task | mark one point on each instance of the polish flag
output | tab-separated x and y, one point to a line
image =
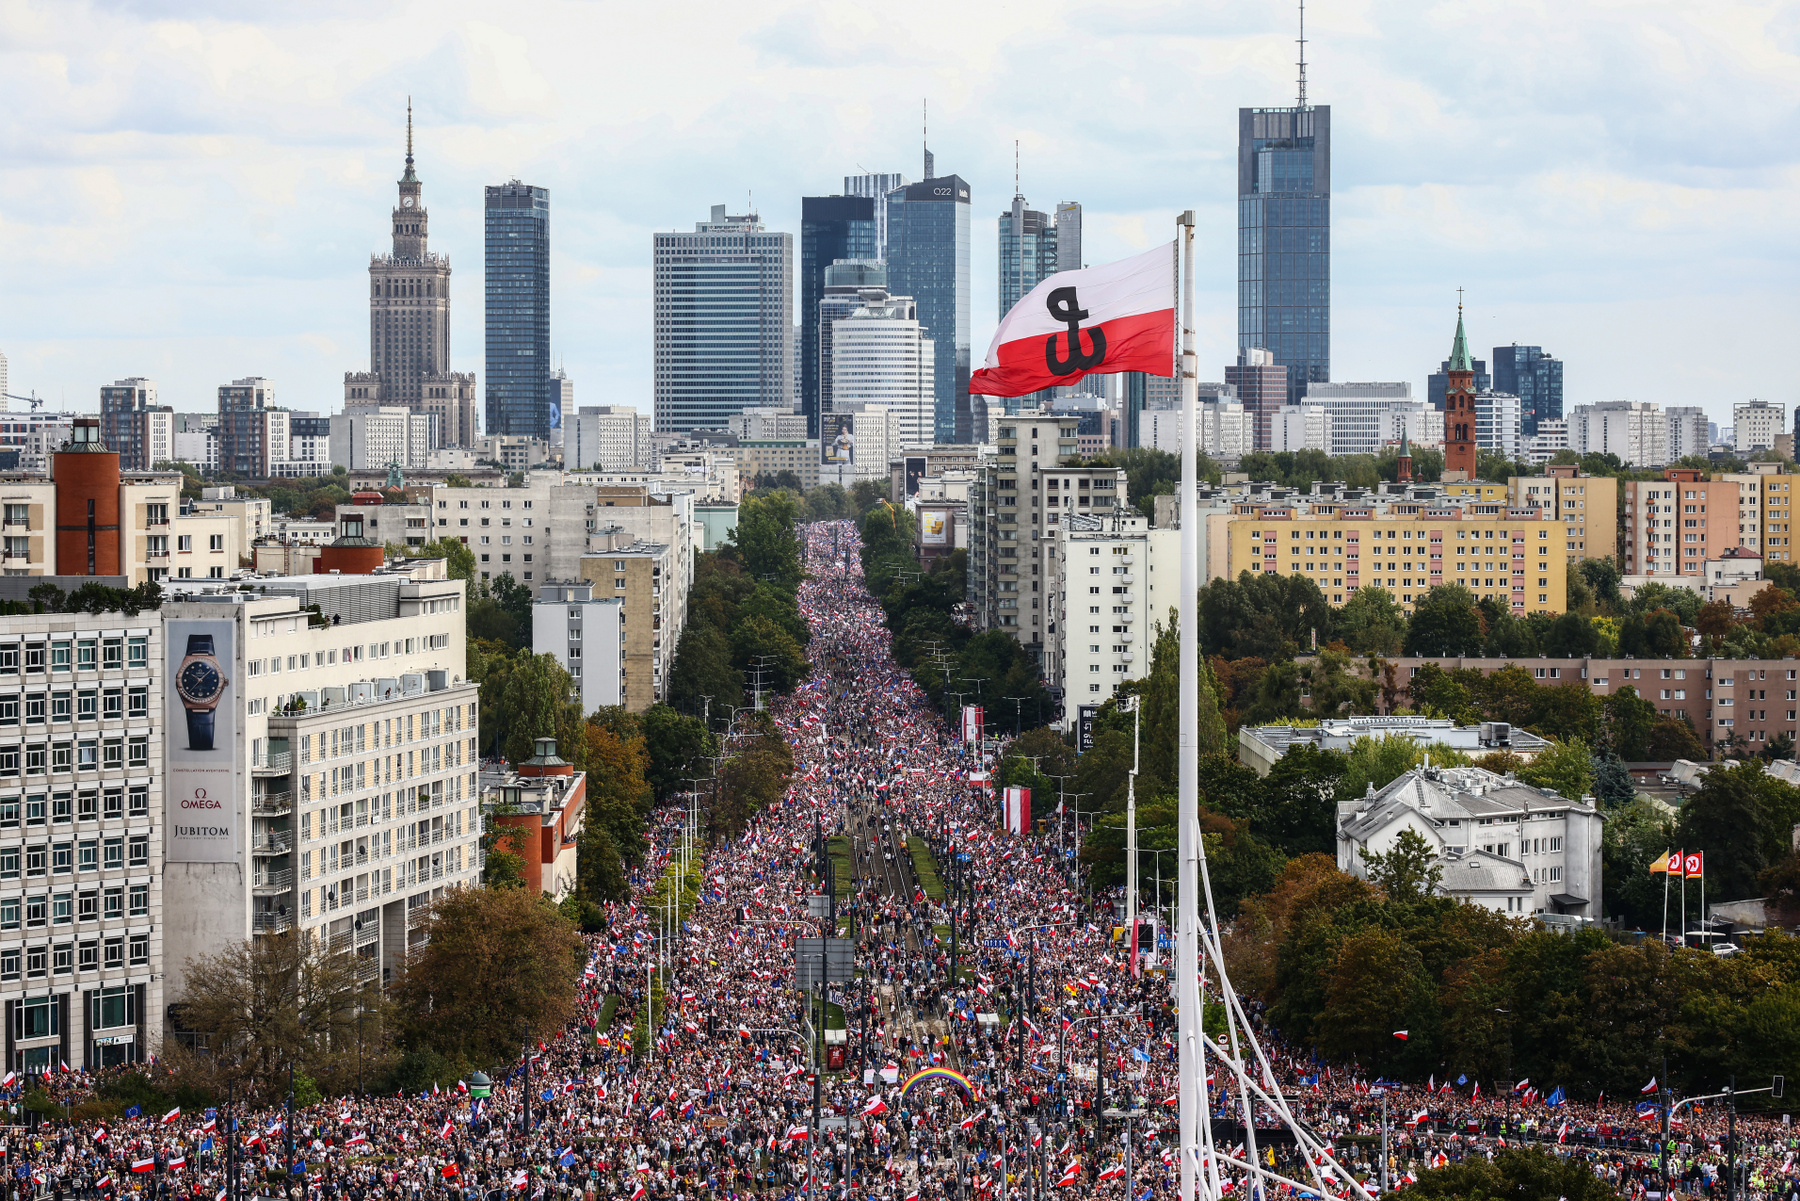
1120	317
875	1108
1072	1173
171	1115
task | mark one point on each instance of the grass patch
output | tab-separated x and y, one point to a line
608	1008
843	864
925	868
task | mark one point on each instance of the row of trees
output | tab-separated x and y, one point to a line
1344	962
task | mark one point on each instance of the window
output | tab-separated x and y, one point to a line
139	848
139	899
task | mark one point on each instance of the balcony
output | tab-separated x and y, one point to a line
278	842
267	883
157	554
273	804
274	763
1128	578
271	923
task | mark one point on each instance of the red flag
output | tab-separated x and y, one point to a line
1119	317
1401	1035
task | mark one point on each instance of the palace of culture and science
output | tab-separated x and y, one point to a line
409	326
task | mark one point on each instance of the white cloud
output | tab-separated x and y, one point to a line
193	188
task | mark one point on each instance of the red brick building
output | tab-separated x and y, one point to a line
545	799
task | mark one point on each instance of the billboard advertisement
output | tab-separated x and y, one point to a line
1084	727
200	736
837	438
971	723
934	527
915	471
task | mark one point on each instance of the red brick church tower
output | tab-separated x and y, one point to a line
1459	409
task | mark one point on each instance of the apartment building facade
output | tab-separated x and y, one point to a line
640	574
587	636
1751	702
324	766
1675	524
1117	579
1572	499
82	823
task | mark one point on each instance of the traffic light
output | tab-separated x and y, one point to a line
1780	1083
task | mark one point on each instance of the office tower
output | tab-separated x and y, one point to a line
1028	252
724	307
1068	236
881	359
409	323
1284	238
1460	418
1499	421
1438	382
519	392
1535	378
876	187
928	260
846	283
5	384
831	228
1262	385
254	435
134	425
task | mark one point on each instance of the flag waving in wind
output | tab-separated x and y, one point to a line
1119	317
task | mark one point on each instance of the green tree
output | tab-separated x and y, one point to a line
1334	689
1270	617
752	780
679	747
1602	577
1571	637
760	646
1445	622
1630	721
496	972
459	560
1372	622
703	678
1298	809
1514	1174
1631	838
1741	817
1406	871
765	538
1378	762
537	689
1376	985
1565	767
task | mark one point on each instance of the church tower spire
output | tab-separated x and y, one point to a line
1459	407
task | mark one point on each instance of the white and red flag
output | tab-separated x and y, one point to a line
1119	317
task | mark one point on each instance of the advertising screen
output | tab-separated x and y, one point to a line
200	724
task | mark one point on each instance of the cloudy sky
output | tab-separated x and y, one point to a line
191	194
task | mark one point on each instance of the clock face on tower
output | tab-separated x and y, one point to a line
406	202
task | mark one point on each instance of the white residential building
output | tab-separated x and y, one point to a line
1114	580
1552	436
587	636
1499	424
1499	843
199	447
607	438
1362	418
1688	432
764	423
1755	424
368	438
82	822
1634	430
1227	431
321	769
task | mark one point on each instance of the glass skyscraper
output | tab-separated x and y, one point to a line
928	260
724	316
1284	239
520	396
831	228
1535	378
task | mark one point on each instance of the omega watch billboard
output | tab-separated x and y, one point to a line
201	738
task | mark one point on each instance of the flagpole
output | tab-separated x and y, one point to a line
1187	951
1665	898
1684	898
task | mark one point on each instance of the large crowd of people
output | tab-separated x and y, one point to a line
991	963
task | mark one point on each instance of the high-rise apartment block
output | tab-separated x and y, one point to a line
928	257
1756	424
607	437
132	423
724	315
587	635
254	435
831	228
1356	419
848	284
1675	524
1535	378
1634	430
882	359
1284	239
321	766
1499	424
519	393
1115	581
1689	432
1586	505
1262	387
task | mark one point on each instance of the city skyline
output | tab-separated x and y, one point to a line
1583	211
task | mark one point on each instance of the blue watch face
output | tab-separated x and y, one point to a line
200	681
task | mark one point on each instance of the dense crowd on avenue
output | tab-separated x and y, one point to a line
721	1101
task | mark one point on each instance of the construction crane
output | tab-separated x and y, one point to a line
34	400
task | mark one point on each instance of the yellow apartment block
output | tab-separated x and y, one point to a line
1514	555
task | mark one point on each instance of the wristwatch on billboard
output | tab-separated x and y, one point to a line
200	684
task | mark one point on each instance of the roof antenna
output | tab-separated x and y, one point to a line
925	137
1016	191
1302	103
